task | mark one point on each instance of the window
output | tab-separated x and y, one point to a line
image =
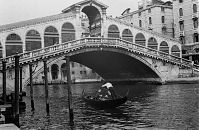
164	30
139	13
140	23
180	12
73	64
195	8
182	39
150	20
149	10
195	37
163	19
73	72
162	9
181	24
180	1
195	22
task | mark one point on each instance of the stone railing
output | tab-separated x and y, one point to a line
61	49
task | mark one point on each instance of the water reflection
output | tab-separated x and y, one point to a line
148	107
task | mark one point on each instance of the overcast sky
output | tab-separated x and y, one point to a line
18	10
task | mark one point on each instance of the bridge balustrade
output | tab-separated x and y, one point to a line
98	42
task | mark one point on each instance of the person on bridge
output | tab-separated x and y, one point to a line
106	92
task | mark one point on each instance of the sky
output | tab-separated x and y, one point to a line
12	11
19	10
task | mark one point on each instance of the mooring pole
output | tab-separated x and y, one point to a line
31	88
20	77
16	99
4	80
70	106
46	86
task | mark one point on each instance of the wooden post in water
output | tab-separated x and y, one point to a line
31	88
16	97
70	106
20	77
46	86
4	80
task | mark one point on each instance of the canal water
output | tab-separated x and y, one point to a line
149	107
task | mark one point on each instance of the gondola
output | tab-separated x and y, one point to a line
104	104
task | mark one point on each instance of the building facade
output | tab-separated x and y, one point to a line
186	14
152	14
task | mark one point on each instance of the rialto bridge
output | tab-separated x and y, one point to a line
114	49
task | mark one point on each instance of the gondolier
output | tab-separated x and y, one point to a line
106	92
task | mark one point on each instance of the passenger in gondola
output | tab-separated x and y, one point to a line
106	92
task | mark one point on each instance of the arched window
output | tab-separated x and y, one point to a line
140	39
150	20
127	35
13	44
113	31
180	12
195	8
54	71
51	36
68	32
164	47
63	71
163	19
33	40
152	43
140	23
175	50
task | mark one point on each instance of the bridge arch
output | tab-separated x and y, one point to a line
140	39
54	71
164	47
51	36
175	50
67	32
127	35
122	63
13	44
152	43
113	31
33	40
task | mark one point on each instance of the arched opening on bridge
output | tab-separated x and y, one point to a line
13	44
94	18
67	32
1	51
113	31
164	47
175	50
51	36
152	43
33	40
63	71
54	71
127	35
140	39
